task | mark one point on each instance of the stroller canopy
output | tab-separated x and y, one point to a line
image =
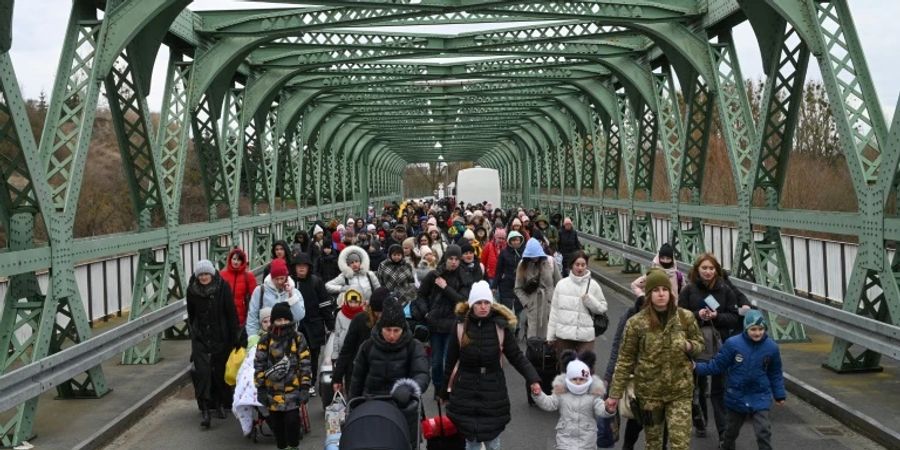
375	425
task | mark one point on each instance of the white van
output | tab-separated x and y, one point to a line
478	185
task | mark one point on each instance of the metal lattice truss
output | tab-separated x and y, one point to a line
317	109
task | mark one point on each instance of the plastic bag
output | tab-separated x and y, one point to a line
335	414
233	365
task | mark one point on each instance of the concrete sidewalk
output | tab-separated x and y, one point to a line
866	402
134	391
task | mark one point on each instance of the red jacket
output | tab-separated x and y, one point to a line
489	258
242	283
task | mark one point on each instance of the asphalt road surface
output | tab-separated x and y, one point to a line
176	422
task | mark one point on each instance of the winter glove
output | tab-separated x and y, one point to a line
402	394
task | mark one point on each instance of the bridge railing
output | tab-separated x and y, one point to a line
872	334
106	289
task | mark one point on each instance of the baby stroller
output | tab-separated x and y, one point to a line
377	423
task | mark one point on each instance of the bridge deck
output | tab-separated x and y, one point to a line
175	422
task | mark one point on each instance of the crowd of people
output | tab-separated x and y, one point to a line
427	294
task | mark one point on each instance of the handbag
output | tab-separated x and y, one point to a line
628	404
235	359
440	433
601	321
712	342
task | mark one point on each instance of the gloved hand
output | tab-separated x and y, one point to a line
402	394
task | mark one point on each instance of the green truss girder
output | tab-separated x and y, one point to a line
325	105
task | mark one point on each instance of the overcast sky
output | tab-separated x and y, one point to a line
39	26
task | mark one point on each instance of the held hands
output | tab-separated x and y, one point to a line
611	405
535	388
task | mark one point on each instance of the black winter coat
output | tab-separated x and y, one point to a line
357	333
379	364
319	310
505	275
479	401
473	271
568	244
211	316
727	319
327	267
441	303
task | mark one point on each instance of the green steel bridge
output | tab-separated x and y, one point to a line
316	109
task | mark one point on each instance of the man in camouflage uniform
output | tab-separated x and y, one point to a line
658	345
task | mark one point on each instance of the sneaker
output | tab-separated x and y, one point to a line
312	391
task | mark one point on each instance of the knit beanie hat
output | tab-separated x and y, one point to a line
378	297
282	310
392	314
265	313
453	250
424	250
754	318
409	243
317	229
370	227
278	268
578	369
465	246
395	248
656	278
469	234
205	266
432	222
353	257
666	251
480	291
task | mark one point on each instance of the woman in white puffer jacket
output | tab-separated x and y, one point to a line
576	299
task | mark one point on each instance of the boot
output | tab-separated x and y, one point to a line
220	412
204	418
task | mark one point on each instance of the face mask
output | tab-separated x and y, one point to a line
579	389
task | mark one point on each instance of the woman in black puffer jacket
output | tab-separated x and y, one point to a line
391	362
479	401
707	278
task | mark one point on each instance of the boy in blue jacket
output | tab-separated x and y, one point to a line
753	365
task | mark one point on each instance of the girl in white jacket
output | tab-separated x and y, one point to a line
578	395
576	299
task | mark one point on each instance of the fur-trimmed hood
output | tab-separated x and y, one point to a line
501	314
363	258
598	386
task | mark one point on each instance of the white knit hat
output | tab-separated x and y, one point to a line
317	229
481	291
469	235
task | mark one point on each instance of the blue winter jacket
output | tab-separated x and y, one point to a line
754	373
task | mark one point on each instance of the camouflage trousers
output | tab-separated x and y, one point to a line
678	418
